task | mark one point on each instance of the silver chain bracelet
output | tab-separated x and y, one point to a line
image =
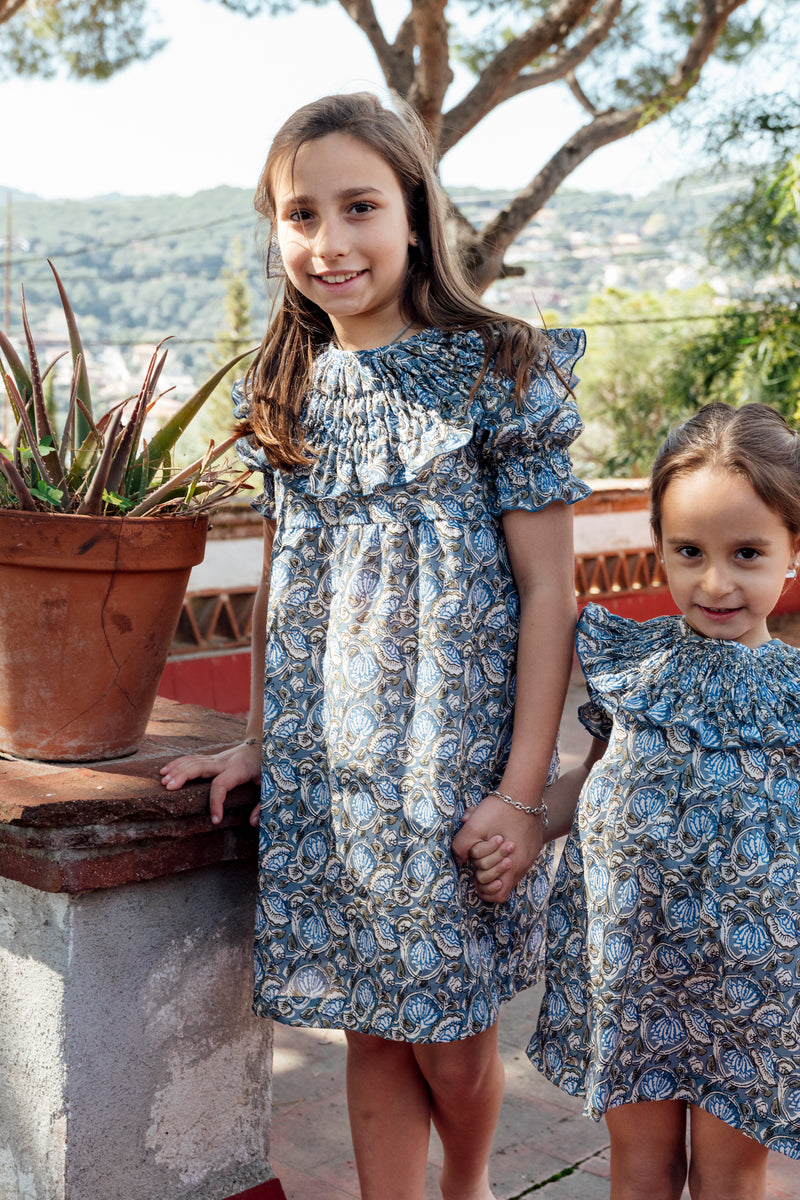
539	811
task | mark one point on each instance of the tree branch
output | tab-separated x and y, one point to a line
489	90
396	61
404	45
580	94
569	57
602	130
433	74
8	8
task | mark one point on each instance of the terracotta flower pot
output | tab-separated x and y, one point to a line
89	609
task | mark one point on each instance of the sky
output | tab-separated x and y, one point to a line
202	113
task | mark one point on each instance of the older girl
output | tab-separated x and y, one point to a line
418	561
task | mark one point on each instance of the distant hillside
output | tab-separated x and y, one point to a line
139	269
136	269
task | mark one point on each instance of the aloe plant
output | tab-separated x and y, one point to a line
102	466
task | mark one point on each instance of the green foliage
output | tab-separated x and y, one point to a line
636	387
92	40
753	353
112	470
760	231
763	131
251	8
749	354
635	341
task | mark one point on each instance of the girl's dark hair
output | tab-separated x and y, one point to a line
753	441
435	292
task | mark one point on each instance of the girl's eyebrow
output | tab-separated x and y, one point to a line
346	194
760	540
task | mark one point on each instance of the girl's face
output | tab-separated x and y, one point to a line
343	233
726	555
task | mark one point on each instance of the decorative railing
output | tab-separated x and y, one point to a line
612	572
213	620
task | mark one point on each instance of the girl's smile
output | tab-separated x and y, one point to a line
344	235
726	554
340	278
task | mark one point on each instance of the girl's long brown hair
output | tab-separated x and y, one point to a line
435	292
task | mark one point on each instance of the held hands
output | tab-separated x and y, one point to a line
493	855
228	769
501	843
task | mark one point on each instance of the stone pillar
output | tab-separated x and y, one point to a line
132	1066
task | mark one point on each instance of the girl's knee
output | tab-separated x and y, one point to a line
462	1069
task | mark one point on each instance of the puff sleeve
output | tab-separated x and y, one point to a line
525	444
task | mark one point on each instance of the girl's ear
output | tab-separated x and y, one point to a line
791	572
660	570
413	240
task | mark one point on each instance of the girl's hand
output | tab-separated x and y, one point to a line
491	860
227	768
517	830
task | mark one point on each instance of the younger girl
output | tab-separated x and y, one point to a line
673	976
418	554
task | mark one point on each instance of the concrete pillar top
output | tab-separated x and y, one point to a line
75	827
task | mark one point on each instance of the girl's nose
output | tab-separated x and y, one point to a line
331	240
717	580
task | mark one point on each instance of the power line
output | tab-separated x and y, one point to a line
679	318
133	240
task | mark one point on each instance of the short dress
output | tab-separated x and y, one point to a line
389	689
673	945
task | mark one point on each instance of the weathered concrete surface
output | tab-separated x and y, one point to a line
132	1065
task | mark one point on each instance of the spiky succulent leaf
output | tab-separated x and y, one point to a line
197	468
95	466
18	484
17	368
76	346
168	434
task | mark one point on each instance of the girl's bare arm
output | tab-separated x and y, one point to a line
240	764
542	562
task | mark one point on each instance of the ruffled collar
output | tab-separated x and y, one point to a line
663	673
379	417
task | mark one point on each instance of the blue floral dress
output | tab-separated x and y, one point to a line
391	642
673	944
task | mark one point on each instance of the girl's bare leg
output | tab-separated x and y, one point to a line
466	1081
725	1165
390	1117
648	1150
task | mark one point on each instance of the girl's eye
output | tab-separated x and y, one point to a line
749	553
362	206
299	216
689	551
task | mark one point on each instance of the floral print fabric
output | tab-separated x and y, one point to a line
673	944
389	687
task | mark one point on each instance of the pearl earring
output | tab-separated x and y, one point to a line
791	573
